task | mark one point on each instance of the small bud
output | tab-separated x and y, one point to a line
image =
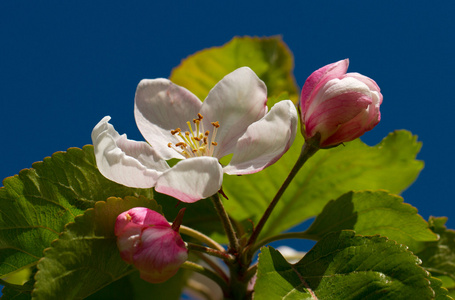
146	240
338	107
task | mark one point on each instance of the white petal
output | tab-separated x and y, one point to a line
161	106
238	100
265	141
131	163
192	179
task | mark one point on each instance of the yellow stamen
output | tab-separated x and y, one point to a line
195	142
191	129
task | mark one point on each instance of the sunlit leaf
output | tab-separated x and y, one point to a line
36	204
390	165
268	57
18	278
344	266
370	213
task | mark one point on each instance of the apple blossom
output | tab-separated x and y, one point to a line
233	119
337	107
146	240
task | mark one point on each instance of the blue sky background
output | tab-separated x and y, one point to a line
66	64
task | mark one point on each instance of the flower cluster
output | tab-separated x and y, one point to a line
335	107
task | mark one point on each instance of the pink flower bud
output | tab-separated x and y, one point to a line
146	240
337	107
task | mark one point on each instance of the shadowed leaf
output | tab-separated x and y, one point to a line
439	257
344	266
85	258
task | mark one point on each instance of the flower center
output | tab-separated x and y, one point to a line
195	142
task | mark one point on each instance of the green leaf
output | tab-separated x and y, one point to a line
390	165
439	257
344	266
440	292
85	258
269	58
37	203
369	213
132	287
18	278
10	293
18	292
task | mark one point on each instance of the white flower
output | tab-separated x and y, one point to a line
233	119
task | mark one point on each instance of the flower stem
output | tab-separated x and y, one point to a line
200	237
238	282
307	151
220	254
207	273
227	225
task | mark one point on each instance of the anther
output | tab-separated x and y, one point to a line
177	130
169	145
214	143
199	118
216	124
181	144
207	133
